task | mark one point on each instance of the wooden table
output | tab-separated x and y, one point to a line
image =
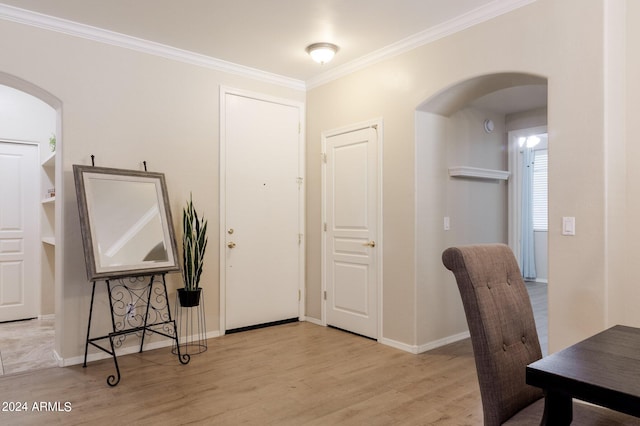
603	369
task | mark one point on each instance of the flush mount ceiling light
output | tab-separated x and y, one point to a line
322	52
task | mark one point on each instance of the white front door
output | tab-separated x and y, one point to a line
351	242
19	231
261	225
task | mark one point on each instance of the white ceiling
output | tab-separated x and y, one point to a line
271	35
514	99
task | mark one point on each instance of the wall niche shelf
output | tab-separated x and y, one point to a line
48	214
49	240
50	161
478	173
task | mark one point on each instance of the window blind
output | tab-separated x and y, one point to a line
540	189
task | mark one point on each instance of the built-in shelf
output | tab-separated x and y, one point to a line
49	240
478	173
50	161
49	252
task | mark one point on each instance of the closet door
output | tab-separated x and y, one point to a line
19	232
351	235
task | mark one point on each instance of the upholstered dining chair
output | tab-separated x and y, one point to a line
504	338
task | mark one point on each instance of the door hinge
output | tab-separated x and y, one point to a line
299	127
325	295
324	157
299	295
299	239
299	180
325	227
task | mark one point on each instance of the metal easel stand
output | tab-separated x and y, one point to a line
191	326
138	307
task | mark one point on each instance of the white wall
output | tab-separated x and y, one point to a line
25	118
126	107
541	254
570	54
526	119
476	208
438	307
623	289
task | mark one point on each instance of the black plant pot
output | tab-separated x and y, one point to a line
189	298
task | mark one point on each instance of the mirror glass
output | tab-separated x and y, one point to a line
126	223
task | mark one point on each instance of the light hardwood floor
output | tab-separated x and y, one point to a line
293	374
538	295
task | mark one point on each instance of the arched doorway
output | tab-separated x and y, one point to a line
463	169
33	124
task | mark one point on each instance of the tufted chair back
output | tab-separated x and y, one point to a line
501	325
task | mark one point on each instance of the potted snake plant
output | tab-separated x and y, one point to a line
194	243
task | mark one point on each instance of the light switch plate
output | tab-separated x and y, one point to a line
447	223
568	225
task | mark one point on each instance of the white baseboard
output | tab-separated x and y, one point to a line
58	358
47	317
418	349
389	342
312	321
413	349
164	343
384	341
442	342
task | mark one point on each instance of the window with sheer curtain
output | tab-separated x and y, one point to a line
540	189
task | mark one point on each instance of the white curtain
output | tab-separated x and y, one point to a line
527	255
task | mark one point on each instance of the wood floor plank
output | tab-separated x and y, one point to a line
291	374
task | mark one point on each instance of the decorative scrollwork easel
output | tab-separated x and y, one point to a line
137	306
131	250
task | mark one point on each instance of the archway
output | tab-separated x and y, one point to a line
26	96
463	166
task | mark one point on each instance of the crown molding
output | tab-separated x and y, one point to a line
88	32
457	24
460	23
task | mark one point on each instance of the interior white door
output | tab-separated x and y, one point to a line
351	201
19	232
262	232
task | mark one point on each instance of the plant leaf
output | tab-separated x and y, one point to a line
194	243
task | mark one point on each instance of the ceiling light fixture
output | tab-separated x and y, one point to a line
529	142
322	52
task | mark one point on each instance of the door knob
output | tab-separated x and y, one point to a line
370	244
231	244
